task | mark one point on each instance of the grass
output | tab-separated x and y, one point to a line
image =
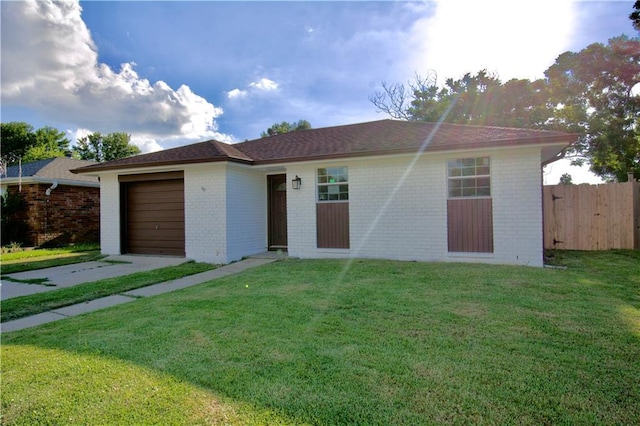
19	307
29	254
334	342
30	260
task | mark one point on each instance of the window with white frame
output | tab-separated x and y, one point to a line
333	184
469	177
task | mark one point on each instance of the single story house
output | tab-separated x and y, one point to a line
57	206
384	189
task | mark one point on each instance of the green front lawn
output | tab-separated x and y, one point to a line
29	260
335	342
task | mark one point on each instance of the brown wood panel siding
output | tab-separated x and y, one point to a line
154	217
332	225
470	225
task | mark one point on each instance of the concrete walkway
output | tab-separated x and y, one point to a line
78	273
130	296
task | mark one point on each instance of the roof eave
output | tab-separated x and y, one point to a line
36	179
93	170
565	140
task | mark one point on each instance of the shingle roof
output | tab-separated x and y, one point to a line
51	169
372	138
200	152
390	136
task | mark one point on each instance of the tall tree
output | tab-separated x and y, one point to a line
473	99
15	138
108	147
590	92
635	15
49	143
19	141
594	93
286	127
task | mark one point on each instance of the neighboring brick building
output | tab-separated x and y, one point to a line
58	207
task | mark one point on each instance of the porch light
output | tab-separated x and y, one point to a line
296	183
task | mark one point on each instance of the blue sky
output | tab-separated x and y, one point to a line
171	73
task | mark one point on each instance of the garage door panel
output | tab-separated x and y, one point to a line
152	215
151	234
155	217
152	226
167	244
156	187
153	197
143	209
154	249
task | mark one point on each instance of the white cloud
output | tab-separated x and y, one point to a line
50	64
513	39
236	93
264	84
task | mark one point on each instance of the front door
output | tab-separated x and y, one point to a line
277	211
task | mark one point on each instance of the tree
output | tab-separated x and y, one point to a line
474	99
589	92
286	127
593	94
635	15
15	139
566	179
49	143
105	148
19	141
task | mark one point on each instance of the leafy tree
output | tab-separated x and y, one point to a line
49	143
588	92
635	15
13	229
108	147
474	99
286	127
19	140
593	91
15	139
566	179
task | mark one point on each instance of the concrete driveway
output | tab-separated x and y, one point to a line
70	275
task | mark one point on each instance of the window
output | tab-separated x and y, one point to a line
333	184
469	177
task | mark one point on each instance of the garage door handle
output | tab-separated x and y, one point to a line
157	226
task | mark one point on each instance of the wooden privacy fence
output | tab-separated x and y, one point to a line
592	217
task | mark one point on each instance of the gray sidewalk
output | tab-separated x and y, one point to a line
129	296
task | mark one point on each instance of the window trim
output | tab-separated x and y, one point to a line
474	176
328	184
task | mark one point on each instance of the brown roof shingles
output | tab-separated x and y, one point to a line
372	138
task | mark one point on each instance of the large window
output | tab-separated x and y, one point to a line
469	177
333	184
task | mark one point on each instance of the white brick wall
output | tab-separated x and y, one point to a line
398	209
109	214
517	207
246	202
205	213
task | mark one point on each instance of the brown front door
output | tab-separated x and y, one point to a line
277	211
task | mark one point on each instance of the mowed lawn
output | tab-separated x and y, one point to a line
337	342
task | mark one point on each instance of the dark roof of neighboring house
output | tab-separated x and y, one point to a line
372	138
58	168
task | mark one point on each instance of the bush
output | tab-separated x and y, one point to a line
14	230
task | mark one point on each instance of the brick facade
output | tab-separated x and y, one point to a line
71	214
